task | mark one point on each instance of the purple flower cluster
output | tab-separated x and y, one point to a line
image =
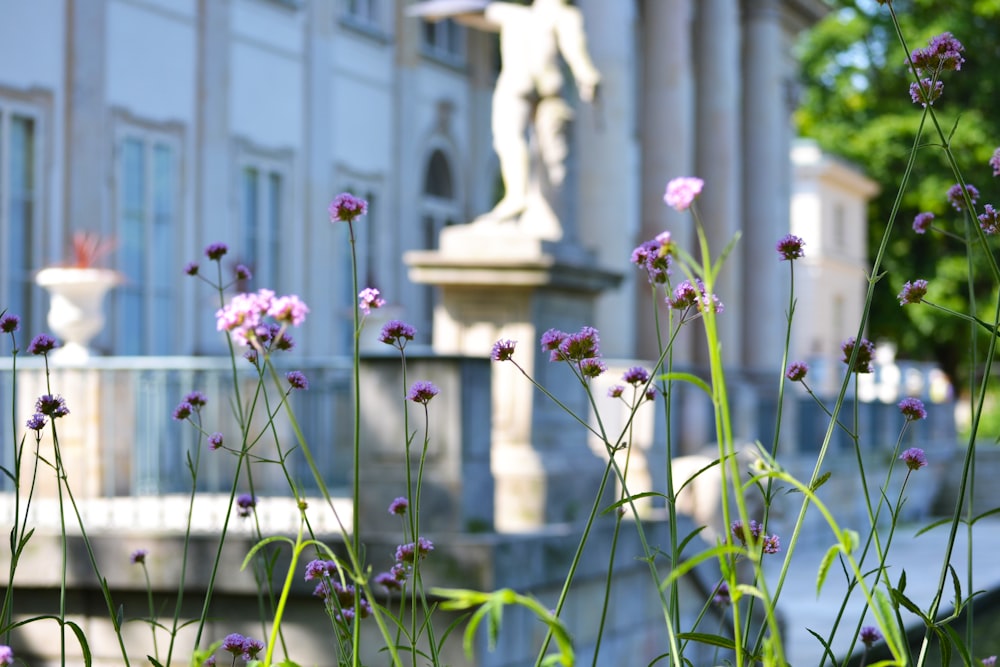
9	323
397	334
926	91
796	371
345	207
369	299
398	506
944	52
582	349
503	350
791	247
216	251
922	222
422	391
869	635
913	409
989	220
53	406
693	295
244	315
654	256
987	662
956	195
722	597
245	504
245	647
636	375
338	596
409	553
912	292
242	272
215	441
42	344
753	533
36	422
317	570
866	354
914	458
995	162
681	192
297	380
6	655
138	556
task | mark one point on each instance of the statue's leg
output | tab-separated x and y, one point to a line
551	118
511	114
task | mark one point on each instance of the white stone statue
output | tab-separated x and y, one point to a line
528	90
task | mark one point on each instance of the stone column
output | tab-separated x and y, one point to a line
765	185
667	122
717	157
608	199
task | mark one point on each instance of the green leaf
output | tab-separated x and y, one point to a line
705	638
827	651
820	481
824	567
901	600
687	377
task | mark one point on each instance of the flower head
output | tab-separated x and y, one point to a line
388	581
288	310
422	391
51	405
654	256
42	344
584	344
6	655
216	251
36	422
943	52
995	162
913	292
369	299
197	399
551	340
242	272
722	597
989	220
746	534
233	643
245	504
693	295
9	323
297	380
914	458
398	506
503	350
922	222
866	353
772	544
990	661
650	393
408	553
251	647
681	192
796	371
957	199
926	92
592	368
215	441
636	375
869	635
345	207
790	247
615	391
183	411
138	556
912	409
396	333
319	569
191	268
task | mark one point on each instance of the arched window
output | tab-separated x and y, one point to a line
437	178
440	208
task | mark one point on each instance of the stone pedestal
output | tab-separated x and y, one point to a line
498	283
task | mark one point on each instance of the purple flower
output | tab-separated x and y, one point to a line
320	569
388	581
183	411
251	647
36	422
615	391
866	353
369	298
742	534
869	635
654	256
408	553
790	247
584	344
913	292
995	163
551	340
422	391
398	506
396	333
288	310
957	199
245	504
772	544
592	368
688	295
722	597
191	268
796	371
6	655
233	643
636	375
922	222
943	52
9	323
215	441
989	220
912	409
503	350
650	393
681	192
990	661
345	207
138	556
51	405
914	458
926	92
297	380
216	251
42	344
197	399
243	273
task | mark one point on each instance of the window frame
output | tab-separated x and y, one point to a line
274	273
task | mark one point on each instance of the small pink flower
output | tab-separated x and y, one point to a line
369	299
681	192
289	310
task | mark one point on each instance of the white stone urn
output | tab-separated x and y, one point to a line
76	307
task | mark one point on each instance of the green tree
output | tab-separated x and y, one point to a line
856	104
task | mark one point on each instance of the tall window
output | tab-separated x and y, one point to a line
444	40
262	196
19	222
145	314
440	209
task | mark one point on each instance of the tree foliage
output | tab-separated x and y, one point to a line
856	104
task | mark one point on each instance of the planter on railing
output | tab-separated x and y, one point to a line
76	308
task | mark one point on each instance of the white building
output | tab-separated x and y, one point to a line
170	124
